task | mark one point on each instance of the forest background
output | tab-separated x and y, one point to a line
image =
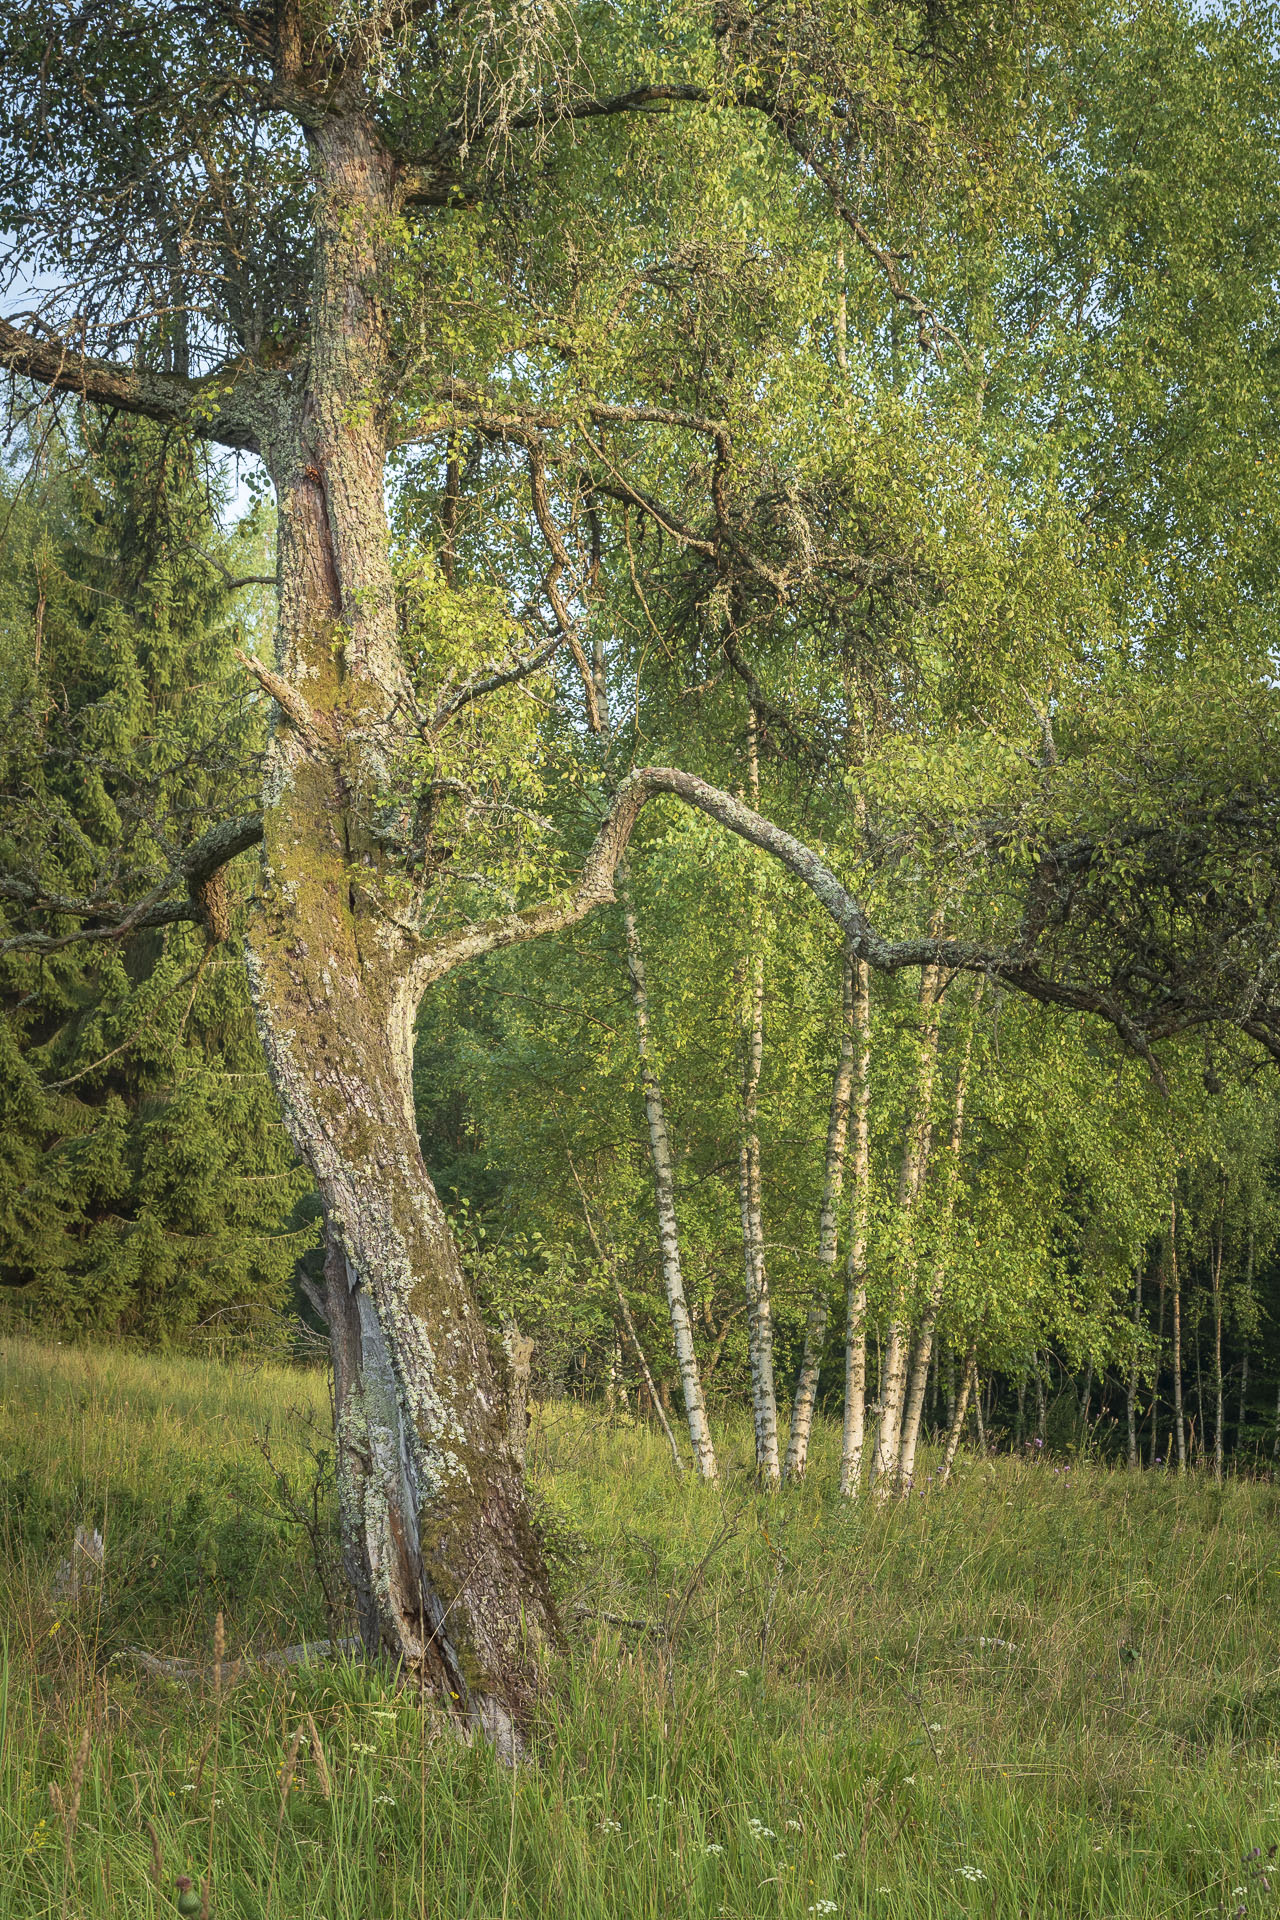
1059	474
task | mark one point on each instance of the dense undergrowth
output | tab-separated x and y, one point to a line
1046	1690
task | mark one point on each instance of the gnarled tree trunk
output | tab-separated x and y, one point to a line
436	1533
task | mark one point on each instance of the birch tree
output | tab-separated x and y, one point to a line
336	241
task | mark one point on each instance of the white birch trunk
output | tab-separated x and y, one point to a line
1179	1423
855	1345
1131	1397
664	1192
957	1418
924	1343
915	1159
764	1399
815	1332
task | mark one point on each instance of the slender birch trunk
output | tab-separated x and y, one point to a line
660	1159
915	1159
853	1438
1244	1402
969	1375
1219	1413
764	1399
664	1193
1179	1424
1042	1410
815	1332
977	1411
1131	1396
647	1376
1154	1451
924	1341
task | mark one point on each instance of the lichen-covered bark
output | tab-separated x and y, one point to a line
437	1539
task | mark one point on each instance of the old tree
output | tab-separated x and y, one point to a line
520	309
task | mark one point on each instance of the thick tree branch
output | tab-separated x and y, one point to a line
219	407
595	887
162	906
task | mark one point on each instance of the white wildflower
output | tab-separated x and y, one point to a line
793	1826
972	1873
383	1800
611	1826
362	1746
935	1726
761	1832
822	1906
712	1846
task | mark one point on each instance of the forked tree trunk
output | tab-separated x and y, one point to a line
911	1173
924	1342
437	1540
853	1439
815	1332
764	1399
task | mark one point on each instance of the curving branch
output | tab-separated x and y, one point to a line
1017	969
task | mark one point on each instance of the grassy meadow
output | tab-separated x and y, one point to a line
1038	1692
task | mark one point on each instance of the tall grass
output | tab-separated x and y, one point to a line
1038	1692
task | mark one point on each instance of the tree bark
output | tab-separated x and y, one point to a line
1219	1406
518	1348
853	1438
1179	1424
664	1193
911	1173
924	1341
764	1399
970	1373
437	1539
815	1332
1131	1395
660	1160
